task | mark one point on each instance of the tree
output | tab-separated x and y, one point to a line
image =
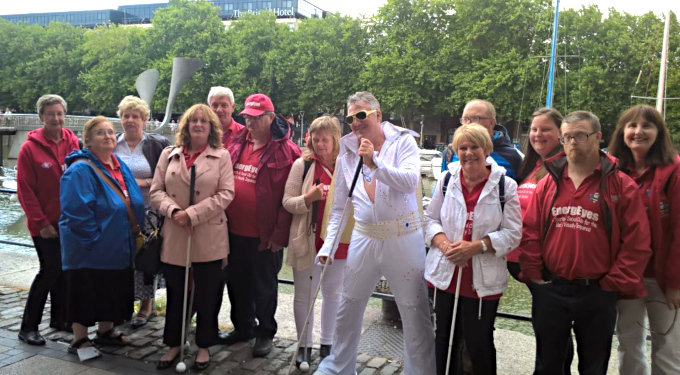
185	29
112	60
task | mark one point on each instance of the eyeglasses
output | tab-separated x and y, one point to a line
249	117
361	115
578	137
473	119
100	133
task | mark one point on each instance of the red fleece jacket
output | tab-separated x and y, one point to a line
629	249
40	165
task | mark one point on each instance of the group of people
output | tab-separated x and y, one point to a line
593	235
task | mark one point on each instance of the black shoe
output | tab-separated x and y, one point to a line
31	338
162	365
301	356
233	337
263	346
324	351
201	366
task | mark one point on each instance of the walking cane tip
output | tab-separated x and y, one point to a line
181	367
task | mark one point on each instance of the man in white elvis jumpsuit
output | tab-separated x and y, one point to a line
387	238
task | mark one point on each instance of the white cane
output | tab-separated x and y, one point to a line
181	366
304	365
453	319
330	256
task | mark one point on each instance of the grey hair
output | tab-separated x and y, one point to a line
219	91
583	116
491	110
48	100
366	97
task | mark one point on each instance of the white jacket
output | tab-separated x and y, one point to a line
398	173
449	214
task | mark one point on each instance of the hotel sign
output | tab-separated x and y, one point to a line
279	12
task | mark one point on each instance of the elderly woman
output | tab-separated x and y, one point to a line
643	145
140	152
40	165
472	222
98	195
199	143
305	197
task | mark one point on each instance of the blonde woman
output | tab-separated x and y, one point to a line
305	198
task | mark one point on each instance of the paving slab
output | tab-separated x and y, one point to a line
39	364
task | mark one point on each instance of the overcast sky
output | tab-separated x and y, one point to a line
349	7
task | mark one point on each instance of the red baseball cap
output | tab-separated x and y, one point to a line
257	104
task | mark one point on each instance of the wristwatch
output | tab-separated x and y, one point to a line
484	248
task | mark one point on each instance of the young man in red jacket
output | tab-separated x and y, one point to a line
586	241
262	154
40	165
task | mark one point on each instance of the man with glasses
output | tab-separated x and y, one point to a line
585	242
504	154
221	100
262	154
387	238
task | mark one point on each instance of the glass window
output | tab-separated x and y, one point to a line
267	5
228	7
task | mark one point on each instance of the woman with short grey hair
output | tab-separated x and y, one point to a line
40	165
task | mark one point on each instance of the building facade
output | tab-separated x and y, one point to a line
289	11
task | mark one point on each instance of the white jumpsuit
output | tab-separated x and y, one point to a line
399	255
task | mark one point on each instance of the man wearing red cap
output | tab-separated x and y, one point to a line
258	223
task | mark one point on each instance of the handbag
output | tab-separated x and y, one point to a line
148	258
140	239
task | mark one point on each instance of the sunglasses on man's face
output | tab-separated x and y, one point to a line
361	115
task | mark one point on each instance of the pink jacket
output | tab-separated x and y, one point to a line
214	190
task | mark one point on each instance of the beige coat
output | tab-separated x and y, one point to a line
214	190
301	247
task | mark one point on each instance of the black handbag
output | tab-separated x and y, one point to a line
148	258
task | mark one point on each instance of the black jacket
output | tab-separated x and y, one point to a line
152	148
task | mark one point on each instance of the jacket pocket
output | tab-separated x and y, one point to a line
493	270
299	245
438	269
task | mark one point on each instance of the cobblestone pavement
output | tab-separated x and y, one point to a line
146	348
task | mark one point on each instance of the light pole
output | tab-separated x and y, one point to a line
302	128
422	128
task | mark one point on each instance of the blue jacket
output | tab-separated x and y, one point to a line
94	228
504	154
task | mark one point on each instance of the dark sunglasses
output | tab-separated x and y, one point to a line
361	115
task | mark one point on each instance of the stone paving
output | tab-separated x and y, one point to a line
141	355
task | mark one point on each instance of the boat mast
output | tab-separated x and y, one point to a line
662	70
551	73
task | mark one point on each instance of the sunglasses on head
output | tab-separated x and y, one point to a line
359	115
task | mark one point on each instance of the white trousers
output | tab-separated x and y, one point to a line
306	282
632	329
402	261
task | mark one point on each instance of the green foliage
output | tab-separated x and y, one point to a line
419	57
111	63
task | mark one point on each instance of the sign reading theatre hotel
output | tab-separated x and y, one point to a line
279	12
